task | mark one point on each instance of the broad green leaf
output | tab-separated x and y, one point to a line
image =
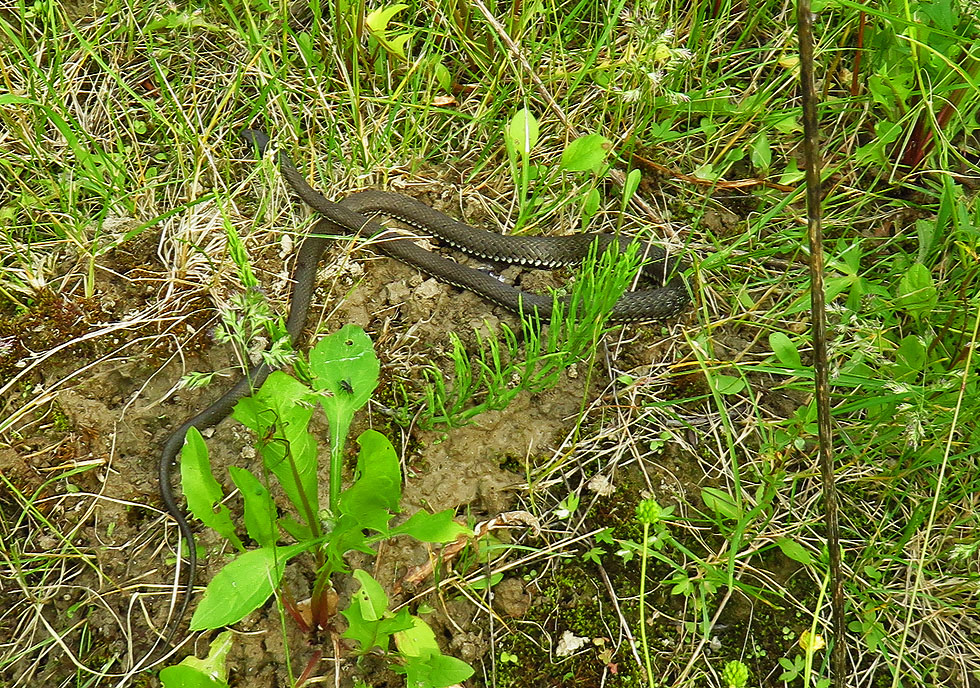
397	43
521	133
260	510
927	231
911	356
427	527
376	23
442	75
210	672
481	583
242	586
435	671
795	551
834	286
279	413
417	641
345	372
785	350
788	125
877	150
377	20
284	399
726	384
586	153
792	174
370	634
368	620
203	492
346	536
376	491
917	292
589	207
425	665
706	171
371	597
760	153
298	531
720	502
632	184
188	20
182	676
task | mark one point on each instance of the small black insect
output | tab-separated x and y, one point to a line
346	386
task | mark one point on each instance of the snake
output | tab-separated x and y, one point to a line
352	214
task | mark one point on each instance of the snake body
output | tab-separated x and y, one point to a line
349	216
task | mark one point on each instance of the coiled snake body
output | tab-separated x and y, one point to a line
349	216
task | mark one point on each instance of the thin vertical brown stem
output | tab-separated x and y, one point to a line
814	164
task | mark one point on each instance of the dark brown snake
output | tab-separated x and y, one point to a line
349	215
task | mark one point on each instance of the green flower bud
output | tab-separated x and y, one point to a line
735	674
648	511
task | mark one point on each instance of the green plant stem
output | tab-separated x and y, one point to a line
336	467
643	620
810	648
312	518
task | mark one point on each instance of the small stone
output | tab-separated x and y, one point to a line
569	644
429	289
397	292
601	485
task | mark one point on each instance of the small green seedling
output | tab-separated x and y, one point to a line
210	672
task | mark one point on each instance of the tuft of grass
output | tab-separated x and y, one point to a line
509	364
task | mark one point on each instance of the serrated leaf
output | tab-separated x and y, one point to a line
427	527
279	413
425	665
370	634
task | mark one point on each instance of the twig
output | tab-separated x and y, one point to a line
622	619
811	146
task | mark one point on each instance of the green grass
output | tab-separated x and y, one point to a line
121	174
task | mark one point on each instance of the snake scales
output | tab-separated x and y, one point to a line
349	216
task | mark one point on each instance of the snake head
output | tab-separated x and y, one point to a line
258	138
